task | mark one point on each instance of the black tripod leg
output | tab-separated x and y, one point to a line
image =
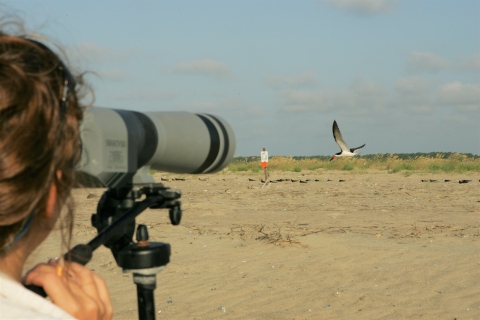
146	284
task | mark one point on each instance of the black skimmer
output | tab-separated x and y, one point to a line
346	151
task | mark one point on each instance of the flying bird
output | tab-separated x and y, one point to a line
346	151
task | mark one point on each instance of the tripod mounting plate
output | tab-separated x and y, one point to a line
134	257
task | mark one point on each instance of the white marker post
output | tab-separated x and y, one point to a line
264	160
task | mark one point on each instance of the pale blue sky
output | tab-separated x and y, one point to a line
400	76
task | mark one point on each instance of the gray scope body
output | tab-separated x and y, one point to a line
120	146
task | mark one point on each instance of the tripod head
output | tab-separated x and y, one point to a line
118	207
115	222
114	207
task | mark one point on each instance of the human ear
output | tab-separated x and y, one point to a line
52	197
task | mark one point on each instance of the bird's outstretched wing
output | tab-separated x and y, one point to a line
337	135
353	149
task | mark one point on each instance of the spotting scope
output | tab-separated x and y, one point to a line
119	147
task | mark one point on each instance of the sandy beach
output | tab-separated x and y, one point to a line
373	246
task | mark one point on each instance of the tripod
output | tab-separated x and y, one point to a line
115	222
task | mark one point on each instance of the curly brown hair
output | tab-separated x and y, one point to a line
39	133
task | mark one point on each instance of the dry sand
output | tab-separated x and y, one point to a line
376	246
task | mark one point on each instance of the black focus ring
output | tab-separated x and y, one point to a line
214	145
226	144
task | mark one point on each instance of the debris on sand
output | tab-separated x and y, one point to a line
275	236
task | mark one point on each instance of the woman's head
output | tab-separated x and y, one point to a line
39	137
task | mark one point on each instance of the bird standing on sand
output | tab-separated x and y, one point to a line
346	151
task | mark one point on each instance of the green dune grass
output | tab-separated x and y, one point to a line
393	163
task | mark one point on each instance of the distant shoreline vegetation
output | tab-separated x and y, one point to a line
407	163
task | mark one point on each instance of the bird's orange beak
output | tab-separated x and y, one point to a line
333	157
